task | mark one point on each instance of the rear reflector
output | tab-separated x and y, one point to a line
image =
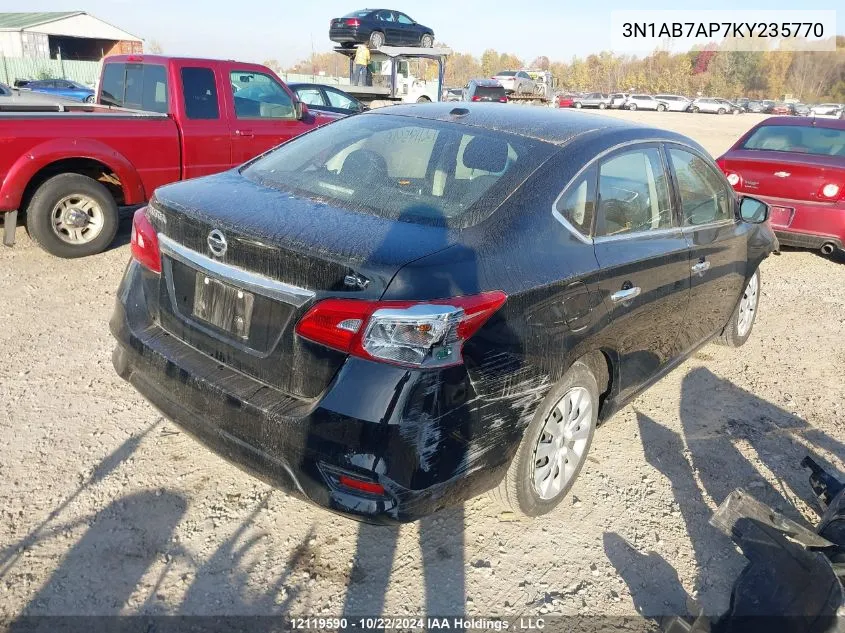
144	242
408	333
369	487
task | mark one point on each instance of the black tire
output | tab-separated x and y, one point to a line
423	99
720	111
602	106
89	99
661	107
427	41
376	39
517	492
577	104
632	107
49	194
730	335
695	110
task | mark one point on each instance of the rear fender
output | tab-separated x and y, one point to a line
43	155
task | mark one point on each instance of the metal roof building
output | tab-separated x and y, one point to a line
66	34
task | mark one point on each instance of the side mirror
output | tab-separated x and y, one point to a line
301	110
753	210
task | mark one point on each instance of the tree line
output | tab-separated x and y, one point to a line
712	70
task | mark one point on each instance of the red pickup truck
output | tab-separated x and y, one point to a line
157	120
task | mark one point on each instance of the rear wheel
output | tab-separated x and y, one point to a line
602	106
72	215
554	447
577	104
738	329
427	41
632	107
89	99
661	107
376	39
694	110
720	111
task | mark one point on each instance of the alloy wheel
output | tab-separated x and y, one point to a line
747	307
562	445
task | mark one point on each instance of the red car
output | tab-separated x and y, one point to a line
797	165
781	108
565	101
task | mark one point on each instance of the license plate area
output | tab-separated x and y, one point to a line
224	306
781	216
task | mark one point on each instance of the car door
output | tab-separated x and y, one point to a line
644	258
206	142
718	242
263	114
340	102
385	21
411	33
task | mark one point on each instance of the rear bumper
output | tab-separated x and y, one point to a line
420	435
348	34
808	224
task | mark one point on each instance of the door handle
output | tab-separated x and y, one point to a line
700	268
626	294
244	133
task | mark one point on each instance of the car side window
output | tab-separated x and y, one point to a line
403	19
200	93
633	194
577	204
705	196
259	96
340	100
385	16
310	96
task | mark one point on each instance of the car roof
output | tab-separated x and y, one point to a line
545	124
808	121
486	83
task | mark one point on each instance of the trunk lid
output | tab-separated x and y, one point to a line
793	176
283	252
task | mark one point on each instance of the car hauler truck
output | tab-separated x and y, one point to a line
392	75
545	85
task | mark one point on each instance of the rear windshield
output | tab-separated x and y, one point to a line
506	73
359	14
136	86
415	170
494	92
792	138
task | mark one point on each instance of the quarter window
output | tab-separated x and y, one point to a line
705	196
633	194
577	204
260	96
200	93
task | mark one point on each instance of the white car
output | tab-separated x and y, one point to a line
644	102
515	82
674	103
714	105
827	110
618	99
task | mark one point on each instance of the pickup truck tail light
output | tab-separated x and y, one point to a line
421	334
503	99
144	242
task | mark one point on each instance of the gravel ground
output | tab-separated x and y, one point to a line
109	509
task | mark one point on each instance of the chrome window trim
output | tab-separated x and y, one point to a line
591	239
625	236
253	282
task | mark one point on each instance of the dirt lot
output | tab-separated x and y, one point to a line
107	508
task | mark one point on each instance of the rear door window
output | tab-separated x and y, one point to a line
633	194
137	86
200	93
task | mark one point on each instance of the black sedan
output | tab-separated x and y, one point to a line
408	307
327	99
379	27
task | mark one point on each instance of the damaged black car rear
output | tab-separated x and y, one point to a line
398	312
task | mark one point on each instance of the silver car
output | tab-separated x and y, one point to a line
714	105
827	110
592	100
674	103
515	82
644	102
618	99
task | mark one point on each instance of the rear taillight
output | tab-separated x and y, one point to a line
353	22
503	99
733	179
361	485
144	241
476	98
409	333
830	191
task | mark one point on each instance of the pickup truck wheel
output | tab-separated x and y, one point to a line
738	329
554	447
72	215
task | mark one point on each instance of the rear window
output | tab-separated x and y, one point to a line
792	138
421	171
506	73
494	92
137	86
358	14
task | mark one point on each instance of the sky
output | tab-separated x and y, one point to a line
288	30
